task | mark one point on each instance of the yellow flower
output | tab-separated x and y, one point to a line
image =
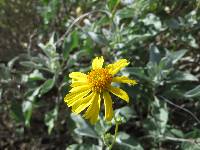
88	89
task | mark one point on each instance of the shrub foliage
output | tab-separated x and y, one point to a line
160	38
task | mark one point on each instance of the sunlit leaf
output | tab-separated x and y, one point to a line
83	147
125	113
127	142
195	92
36	75
178	76
47	86
83	128
97	38
50	119
27	108
154	55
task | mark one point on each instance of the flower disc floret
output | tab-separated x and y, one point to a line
99	79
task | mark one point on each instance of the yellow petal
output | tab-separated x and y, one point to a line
120	93
88	113
80	88
93	110
77	75
83	103
78	83
95	115
108	106
124	79
71	101
80	80
69	96
97	62
117	66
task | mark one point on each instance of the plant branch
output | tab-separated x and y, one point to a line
76	20
192	141
116	132
184	109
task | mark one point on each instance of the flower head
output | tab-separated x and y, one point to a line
88	89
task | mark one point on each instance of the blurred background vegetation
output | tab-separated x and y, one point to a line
42	41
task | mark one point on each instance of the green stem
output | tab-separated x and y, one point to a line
115	8
198	4
116	132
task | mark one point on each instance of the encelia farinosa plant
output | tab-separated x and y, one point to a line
51	85
89	89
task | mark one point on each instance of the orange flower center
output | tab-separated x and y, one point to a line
99	79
